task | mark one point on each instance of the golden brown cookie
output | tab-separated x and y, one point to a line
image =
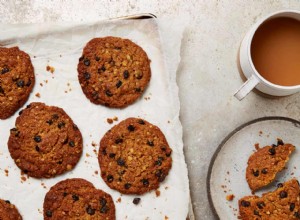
134	157
45	142
16	80
78	199
283	203
113	71
8	211
265	163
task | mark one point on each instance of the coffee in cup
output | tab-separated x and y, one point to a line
270	55
275	51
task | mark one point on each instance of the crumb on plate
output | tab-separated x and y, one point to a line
230	197
157	193
109	120
50	69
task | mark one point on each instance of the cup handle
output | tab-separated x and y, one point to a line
246	87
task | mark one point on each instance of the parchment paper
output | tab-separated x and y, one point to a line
60	46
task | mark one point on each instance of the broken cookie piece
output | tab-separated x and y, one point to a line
265	163
283	203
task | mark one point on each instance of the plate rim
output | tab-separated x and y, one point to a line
215	154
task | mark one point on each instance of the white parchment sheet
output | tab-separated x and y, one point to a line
60	46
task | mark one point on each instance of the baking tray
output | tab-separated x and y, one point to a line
62	89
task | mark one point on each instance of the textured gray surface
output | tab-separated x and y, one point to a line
208	75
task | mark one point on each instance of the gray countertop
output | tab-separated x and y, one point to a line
208	75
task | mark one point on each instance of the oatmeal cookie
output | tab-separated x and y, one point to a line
45	142
16	80
113	71
134	157
78	199
9	211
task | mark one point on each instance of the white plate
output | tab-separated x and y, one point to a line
226	173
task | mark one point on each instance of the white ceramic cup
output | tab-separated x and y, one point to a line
254	79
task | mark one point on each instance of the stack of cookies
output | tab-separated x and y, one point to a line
134	155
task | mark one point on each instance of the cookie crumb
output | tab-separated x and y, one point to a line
23	178
109	120
43	185
50	69
279	141
256	146
166	217
6	172
119	200
87	155
41	84
96	172
38	95
115	118
230	197
94	144
157	193
136	201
